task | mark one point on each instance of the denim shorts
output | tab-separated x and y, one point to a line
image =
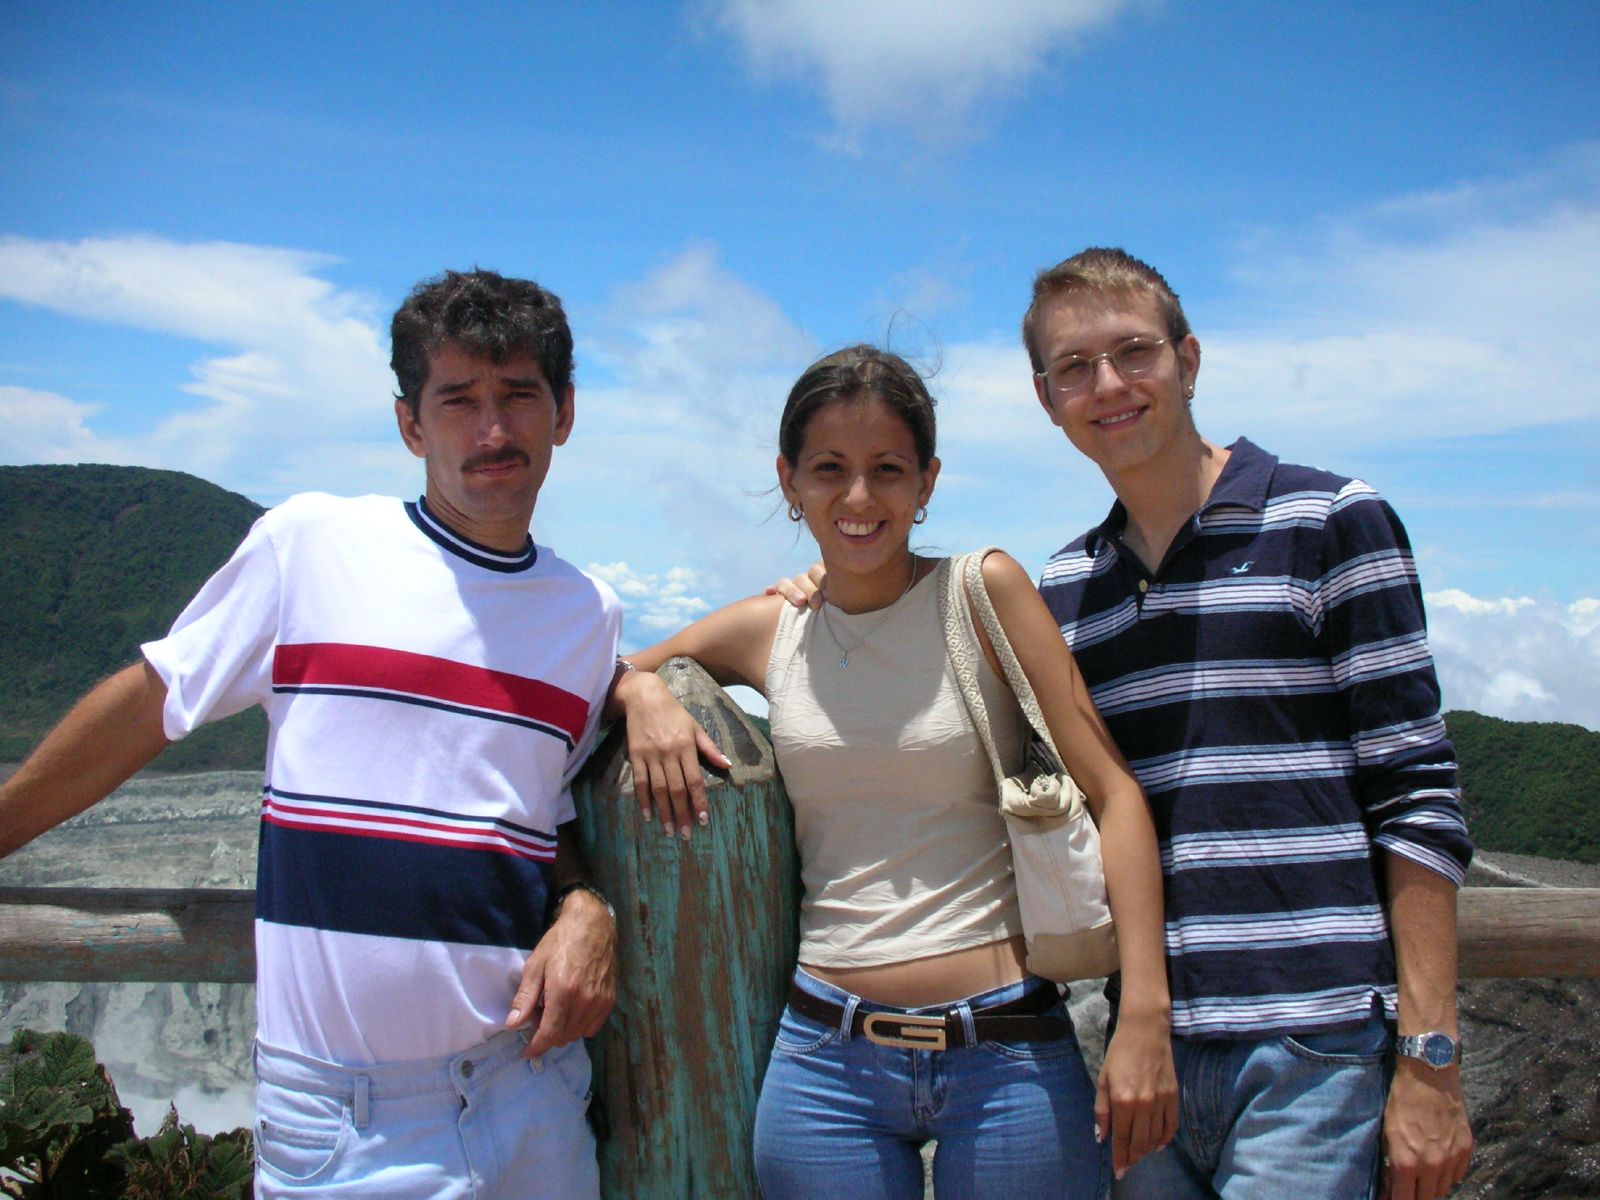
486	1124
844	1116
1297	1115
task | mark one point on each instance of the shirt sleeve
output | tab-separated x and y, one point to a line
608	636
1373	630
217	658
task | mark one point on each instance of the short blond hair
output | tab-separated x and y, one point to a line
1101	270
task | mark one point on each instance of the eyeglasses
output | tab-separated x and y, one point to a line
1133	358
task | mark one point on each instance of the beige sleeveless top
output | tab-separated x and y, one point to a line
903	851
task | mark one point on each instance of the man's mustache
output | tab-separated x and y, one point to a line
493	458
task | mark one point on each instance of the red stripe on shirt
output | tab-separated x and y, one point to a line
339	664
394	835
470	833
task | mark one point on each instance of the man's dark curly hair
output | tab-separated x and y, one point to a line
485	315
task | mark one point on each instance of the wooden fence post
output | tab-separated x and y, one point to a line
708	937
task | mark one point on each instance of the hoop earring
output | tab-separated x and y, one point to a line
796	513
922	515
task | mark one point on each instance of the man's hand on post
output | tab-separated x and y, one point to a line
569	983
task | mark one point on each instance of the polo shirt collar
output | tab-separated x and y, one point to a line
465	548
1245	482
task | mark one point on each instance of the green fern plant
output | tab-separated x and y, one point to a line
177	1161
64	1134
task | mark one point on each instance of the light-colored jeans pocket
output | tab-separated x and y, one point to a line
299	1137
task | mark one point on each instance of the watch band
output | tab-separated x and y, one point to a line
563	893
1438	1050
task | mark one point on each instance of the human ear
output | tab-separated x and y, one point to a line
1041	390
410	428
930	475
565	415
1188	362
786	480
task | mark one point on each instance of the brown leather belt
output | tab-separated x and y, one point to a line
1020	1020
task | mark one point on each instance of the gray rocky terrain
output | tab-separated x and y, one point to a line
1532	1070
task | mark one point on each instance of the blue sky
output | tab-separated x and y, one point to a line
1384	221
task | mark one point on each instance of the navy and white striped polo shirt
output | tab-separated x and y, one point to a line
1271	687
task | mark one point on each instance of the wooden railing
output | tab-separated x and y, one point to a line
183	935
115	935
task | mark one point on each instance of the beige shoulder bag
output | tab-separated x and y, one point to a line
1055	847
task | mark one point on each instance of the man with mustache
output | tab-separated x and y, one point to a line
428	957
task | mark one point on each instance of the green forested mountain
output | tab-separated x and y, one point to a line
1530	787
93	561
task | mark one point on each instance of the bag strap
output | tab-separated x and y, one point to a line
961	643
961	591
1015	676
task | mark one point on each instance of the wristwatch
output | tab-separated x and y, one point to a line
563	893
1438	1050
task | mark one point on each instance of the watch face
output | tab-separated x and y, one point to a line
1438	1050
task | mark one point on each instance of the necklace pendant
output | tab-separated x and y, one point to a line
844	661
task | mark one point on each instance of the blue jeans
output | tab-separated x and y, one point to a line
486	1124
1295	1116
844	1116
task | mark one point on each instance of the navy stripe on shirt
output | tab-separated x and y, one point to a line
402	885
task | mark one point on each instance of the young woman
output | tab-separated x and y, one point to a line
909	904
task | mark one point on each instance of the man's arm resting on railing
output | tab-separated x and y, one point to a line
107	736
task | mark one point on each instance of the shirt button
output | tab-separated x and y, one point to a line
466	1069
1144	586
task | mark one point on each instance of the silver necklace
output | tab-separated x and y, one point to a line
846	651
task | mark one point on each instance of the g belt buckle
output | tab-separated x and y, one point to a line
914	1033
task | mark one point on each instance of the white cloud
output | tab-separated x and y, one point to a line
688	433
907	64
1464	315
684	435
304	362
42	427
693	339
985	396
216	291
1518	658
662	602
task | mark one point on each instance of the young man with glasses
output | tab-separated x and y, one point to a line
1253	633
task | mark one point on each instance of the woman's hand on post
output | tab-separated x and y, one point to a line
665	745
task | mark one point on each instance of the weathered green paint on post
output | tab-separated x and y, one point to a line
708	937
